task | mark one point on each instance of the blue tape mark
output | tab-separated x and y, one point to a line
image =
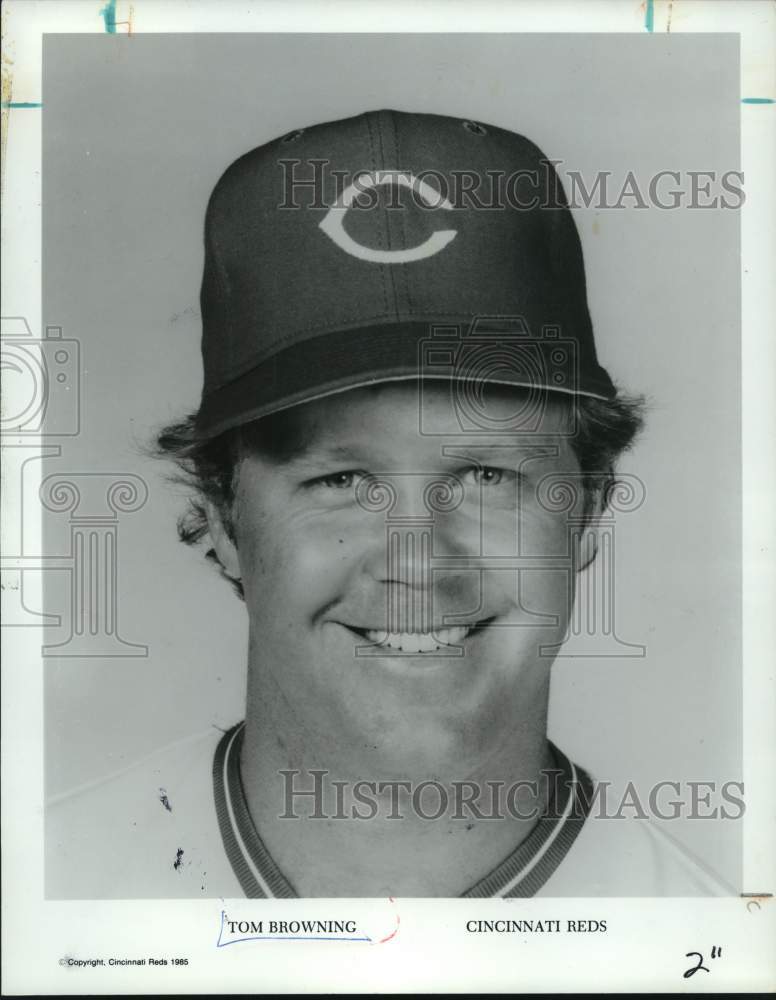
758	100
108	13
278	937
22	104
649	15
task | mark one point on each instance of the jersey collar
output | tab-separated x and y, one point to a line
521	873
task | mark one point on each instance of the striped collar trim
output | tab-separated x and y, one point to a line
251	862
522	873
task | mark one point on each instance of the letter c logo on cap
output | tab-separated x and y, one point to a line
332	223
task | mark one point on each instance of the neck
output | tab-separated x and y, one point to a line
391	834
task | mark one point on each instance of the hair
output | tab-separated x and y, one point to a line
603	430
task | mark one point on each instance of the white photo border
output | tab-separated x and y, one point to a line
645	944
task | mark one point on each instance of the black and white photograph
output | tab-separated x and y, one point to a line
384	418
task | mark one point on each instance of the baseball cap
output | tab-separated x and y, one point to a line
390	245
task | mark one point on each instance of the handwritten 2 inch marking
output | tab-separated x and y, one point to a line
716	952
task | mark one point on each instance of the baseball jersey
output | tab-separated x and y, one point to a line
176	825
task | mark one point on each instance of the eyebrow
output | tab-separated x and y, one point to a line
548	446
308	452
285	441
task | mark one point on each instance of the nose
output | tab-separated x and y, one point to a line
408	577
415	523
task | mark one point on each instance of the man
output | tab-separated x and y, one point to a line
400	375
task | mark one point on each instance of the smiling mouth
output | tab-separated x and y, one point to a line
422	642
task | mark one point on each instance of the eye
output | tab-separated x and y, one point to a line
338	480
490	475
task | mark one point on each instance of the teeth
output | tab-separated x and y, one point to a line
420	642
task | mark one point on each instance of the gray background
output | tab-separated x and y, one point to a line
135	133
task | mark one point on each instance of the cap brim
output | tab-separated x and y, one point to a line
349	359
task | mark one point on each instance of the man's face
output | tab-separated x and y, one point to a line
385	613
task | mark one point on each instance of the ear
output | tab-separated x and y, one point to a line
587	547
224	547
